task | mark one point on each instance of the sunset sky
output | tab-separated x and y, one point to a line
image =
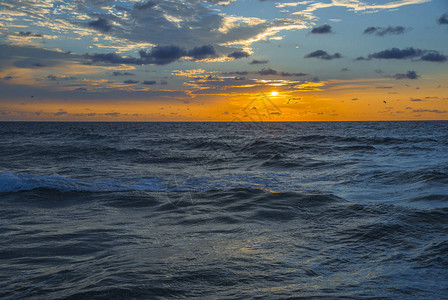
223	60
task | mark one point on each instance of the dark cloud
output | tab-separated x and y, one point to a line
434	56
117	73
443	19
236	73
321	29
29	33
145	5
7	78
263	72
60	113
396	53
113	114
287	74
267	71
113	58
60	78
149	82
202	52
382	31
258	62
160	55
101	24
238	54
408	75
130	81
436	111
416	100
321	54
407	53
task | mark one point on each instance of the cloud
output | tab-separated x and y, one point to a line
321	29
238	54
267	71
242	73
130	81
202	52
443	19
287	74
113	114
396	53
407	53
381	31
258	62
416	100
408	75
149	82
434	56
321	54
29	34
60	113
436	111
101	24
162	55
60	78
117	73
159	55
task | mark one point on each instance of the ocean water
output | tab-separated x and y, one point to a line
224	210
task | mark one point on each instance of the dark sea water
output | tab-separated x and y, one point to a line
224	210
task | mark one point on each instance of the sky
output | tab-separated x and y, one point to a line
223	60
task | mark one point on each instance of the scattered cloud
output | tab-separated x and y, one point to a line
382	31
149	82
321	29
131	81
407	75
321	54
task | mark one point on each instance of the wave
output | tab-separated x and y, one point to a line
11	182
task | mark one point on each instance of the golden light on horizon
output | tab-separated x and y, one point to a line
274	94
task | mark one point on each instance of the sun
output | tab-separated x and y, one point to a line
274	93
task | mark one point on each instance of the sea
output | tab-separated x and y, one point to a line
232	210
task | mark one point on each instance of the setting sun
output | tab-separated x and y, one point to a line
274	93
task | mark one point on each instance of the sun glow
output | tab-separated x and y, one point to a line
274	94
